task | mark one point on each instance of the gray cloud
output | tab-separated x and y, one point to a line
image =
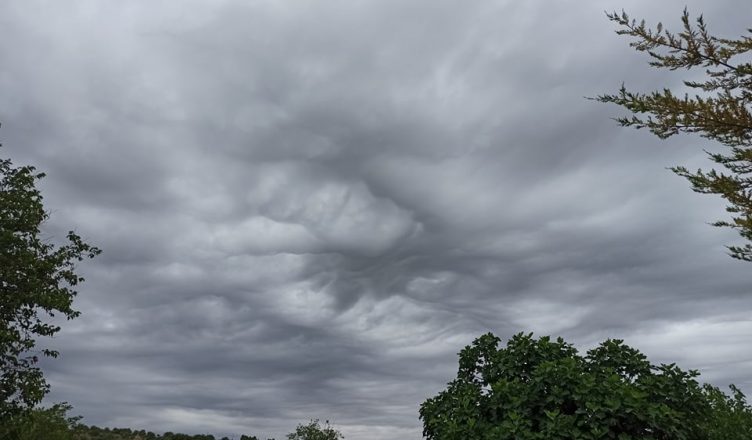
308	209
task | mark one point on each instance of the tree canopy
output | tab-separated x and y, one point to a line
536	389
315	431
718	110
37	282
51	423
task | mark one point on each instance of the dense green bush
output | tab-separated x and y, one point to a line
536	389
51	423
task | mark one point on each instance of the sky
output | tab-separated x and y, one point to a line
308	208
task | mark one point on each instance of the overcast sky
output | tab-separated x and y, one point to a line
307	208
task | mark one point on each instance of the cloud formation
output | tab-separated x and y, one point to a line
307	209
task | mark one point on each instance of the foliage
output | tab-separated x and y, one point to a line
82	432
37	280
543	389
314	431
51	423
732	416
719	110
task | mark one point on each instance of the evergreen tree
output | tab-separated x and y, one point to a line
718	109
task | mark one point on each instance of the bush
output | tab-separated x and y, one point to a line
543	389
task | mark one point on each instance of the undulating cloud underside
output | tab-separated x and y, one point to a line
308	208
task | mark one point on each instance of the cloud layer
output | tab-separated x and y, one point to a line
307	209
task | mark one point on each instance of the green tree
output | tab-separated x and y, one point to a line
732	416
718	109
51	423
544	389
37	281
314	431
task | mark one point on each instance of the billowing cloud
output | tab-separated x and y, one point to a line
307	209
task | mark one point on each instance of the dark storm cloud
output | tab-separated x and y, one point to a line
307	209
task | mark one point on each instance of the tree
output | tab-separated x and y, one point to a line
732	414
37	282
719	110
314	431
543	389
51	423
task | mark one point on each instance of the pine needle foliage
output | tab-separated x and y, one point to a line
719	109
